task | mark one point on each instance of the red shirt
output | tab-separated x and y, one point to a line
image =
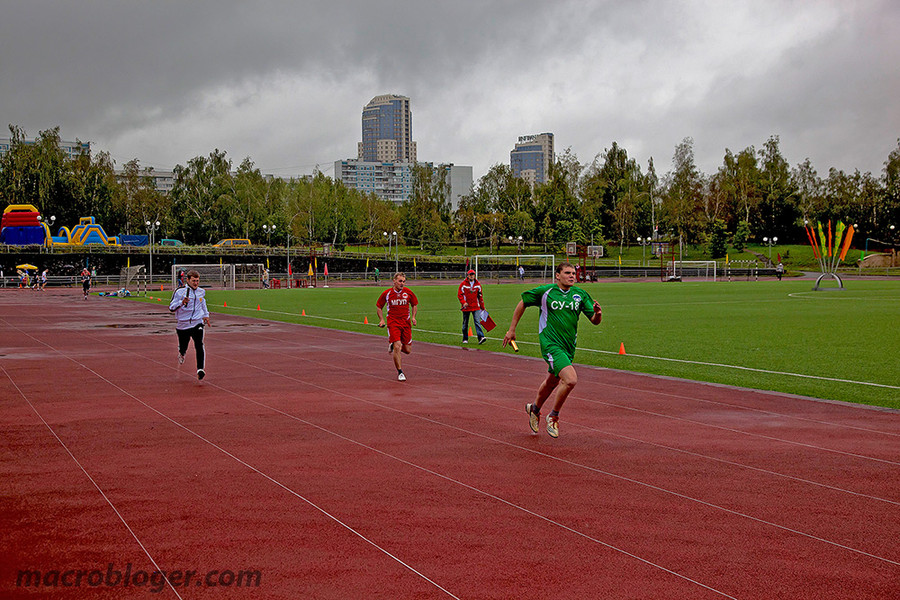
396	305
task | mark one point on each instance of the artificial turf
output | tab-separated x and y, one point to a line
769	335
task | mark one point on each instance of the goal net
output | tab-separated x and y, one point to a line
133	279
249	275
212	276
539	267
679	270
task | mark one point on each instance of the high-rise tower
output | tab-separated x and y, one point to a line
387	130
531	157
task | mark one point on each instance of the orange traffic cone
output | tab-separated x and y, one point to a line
365	320
257	307
224	304
622	348
303	313
470	331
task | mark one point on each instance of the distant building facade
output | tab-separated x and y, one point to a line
531	158
163	181
394	181
72	149
387	180
387	154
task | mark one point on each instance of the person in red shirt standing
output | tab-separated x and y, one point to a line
472	302
402	306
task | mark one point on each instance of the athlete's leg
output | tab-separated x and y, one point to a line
465	327
406	340
197	336
184	338
545	390
394	338
568	378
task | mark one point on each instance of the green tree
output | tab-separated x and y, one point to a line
891	186
777	212
34	173
92	186
809	186
718	238
201	198
681	207
741	236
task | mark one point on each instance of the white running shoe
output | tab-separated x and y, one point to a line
181	359
401	377
534	417
553	426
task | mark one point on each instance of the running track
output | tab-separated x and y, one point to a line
302	457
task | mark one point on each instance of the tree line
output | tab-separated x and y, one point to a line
611	200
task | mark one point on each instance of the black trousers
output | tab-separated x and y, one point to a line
185	336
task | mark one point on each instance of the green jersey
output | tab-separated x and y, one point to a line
558	322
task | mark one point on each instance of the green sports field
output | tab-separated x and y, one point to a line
769	335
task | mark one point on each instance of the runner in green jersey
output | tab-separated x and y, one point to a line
560	304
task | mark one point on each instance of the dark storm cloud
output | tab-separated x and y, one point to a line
284	83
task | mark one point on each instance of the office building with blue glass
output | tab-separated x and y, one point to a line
531	158
387	131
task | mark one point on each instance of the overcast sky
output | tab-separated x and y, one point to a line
284	83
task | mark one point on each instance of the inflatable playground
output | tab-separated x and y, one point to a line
22	225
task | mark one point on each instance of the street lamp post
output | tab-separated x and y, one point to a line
268	229
151	230
289	231
644	242
770	242
49	225
392	236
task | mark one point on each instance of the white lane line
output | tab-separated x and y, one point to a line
91	479
242	462
610	352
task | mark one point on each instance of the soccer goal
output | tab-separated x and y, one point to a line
212	276
133	279
679	270
506	266
249	275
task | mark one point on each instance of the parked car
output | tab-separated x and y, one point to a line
168	242
232	242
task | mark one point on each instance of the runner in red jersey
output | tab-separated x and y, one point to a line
401	305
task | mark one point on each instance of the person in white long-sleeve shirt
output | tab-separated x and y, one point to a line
189	305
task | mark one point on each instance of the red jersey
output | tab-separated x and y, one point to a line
396	305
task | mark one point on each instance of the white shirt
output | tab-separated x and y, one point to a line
194	312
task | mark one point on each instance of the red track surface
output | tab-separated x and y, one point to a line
302	457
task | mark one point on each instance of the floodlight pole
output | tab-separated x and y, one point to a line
151	229
289	231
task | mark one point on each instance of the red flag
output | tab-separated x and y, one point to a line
779	257
289	270
326	269
487	321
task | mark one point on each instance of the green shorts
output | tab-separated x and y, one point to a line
557	359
